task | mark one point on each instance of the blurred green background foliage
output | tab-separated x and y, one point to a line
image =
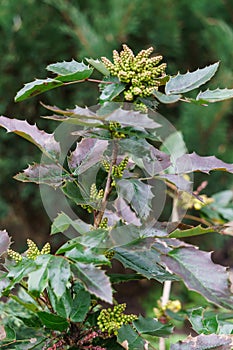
36	33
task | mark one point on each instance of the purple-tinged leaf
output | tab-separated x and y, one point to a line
87	153
193	162
205	342
48	174
70	71
4	241
137	194
124	212
191	80
200	274
132	118
215	95
36	87
156	162
94	280
78	115
178	180
190	232
44	141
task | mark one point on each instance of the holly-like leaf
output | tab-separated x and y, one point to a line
52	321
81	304
215	95
194	231
188	163
191	80
44	141
59	274
98	65
70	71
152	327
62	305
147	262
38	279
86	256
62	222
36	87
94	280
157	162
48	174
132	118
200	274
129	339
4	242
111	89
137	194
123	211
178	180
166	98
203	323
87	153
205	342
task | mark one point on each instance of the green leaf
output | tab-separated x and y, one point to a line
152	327
202	324
36	87
166	98
44	141
4	241
215	95
48	174
129	339
194	231
188	163
59	274
8	333
144	261
70	71
81	304
62	222
38	279
137	194
21	270
191	80
94	280
62	305
111	89
86	256
205	342
200	274
98	65
53	321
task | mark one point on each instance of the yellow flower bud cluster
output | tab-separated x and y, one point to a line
172	305
104	223
111	320
109	254
117	170
14	255
141	73
95	196
31	253
114	130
